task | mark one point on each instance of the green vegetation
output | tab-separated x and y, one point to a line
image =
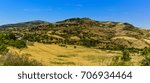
3	49
10	40
7	40
146	54
126	55
76	32
20	44
124	60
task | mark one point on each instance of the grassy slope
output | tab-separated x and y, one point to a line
81	56
136	43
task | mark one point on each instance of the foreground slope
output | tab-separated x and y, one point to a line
80	56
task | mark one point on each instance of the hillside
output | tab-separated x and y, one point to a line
25	24
85	32
75	41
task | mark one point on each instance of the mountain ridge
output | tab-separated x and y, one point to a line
67	21
24	24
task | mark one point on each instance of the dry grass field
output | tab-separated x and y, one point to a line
55	55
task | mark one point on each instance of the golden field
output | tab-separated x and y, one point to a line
55	55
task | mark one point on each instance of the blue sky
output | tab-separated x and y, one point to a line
136	12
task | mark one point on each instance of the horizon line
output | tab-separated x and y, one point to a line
71	18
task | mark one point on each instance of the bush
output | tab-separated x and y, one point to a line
146	62
3	49
20	44
17	43
12	36
126	55
146	55
116	61
19	60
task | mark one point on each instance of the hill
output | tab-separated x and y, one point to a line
75	41
25	24
83	31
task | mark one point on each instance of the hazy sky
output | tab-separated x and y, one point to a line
136	12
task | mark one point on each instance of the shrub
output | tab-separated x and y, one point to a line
126	55
3	49
146	62
20	44
19	60
12	36
146	55
116	61
17	43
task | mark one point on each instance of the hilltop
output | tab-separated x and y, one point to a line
25	24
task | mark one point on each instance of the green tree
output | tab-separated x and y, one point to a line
12	36
3	49
146	55
20	44
126	55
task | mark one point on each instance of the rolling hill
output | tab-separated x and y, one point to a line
25	24
77	41
83	31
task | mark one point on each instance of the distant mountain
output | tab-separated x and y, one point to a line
77	20
25	24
